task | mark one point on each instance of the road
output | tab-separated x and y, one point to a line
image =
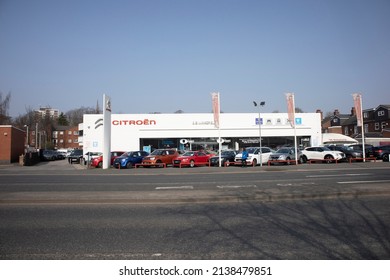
58	211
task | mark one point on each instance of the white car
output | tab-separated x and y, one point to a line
321	153
254	156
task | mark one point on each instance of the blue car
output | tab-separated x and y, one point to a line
129	159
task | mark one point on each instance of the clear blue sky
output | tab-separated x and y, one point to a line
166	55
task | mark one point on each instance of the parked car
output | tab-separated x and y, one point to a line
285	156
191	159
49	155
367	147
321	153
60	154
254	155
348	151
160	156
209	153
89	156
75	156
129	159
382	152
98	161
227	156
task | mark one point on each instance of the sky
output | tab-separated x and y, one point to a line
169	55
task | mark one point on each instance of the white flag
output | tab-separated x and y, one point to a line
216	108
291	108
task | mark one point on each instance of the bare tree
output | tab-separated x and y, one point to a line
4	106
75	116
27	119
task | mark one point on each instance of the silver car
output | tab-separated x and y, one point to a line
284	155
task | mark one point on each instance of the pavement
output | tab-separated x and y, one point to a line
290	190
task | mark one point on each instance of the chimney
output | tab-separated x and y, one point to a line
320	112
336	112
353	111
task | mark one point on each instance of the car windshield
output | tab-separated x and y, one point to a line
128	154
252	150
284	151
188	154
158	152
226	153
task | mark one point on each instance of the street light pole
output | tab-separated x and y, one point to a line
261	104
26	126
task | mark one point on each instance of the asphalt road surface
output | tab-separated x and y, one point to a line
59	211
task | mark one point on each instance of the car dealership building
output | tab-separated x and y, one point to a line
197	131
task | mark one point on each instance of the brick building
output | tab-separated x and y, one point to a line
375	122
12	143
66	137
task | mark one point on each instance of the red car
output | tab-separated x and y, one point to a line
98	162
191	159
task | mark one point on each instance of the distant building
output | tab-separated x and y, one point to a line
47	111
334	123
375	122
65	137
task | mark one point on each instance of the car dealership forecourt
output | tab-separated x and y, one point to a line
197	131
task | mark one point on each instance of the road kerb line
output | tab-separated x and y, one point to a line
364	182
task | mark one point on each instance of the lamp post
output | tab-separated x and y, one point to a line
26	126
261	104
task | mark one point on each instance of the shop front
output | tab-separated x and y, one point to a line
197	131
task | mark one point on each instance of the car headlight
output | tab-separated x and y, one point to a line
151	158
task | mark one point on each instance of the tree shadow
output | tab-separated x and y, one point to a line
308	229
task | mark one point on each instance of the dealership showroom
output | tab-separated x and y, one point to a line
130	132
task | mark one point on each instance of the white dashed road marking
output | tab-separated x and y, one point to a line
236	187
176	188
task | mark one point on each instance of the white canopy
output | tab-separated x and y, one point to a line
336	138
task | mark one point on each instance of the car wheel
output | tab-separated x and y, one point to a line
328	159
254	163
385	157
288	161
303	159
192	163
129	165
100	164
227	163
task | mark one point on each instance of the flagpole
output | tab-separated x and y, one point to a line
291	115
217	110
219	132
363	140
361	120
357	97
295	132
